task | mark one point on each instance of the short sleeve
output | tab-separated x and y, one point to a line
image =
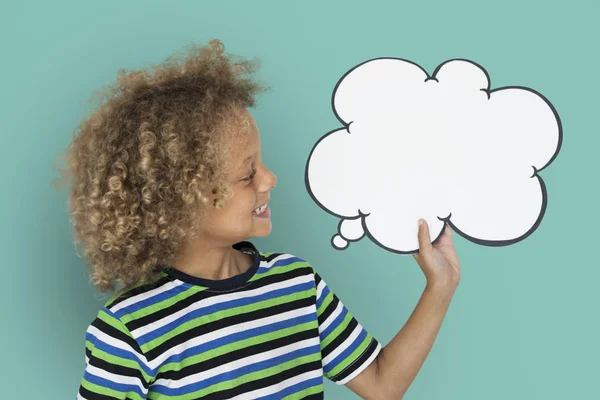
115	366
346	347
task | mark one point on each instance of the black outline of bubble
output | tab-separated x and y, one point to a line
348	241
488	91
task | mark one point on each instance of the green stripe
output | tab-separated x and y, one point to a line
328	299
240	310
151	309
352	357
114	322
109	392
195	289
306	392
336	332
254	376
124	362
280	269
229	347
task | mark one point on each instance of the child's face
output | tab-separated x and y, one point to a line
251	181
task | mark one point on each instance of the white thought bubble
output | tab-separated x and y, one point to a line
444	147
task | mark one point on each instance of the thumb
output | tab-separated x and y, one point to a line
425	246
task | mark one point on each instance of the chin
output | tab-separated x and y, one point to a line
263	232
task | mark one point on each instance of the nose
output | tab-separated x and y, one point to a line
270	181
273	181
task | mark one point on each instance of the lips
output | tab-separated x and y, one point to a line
260	209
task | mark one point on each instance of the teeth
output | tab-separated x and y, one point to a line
260	209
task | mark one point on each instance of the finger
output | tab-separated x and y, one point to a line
447	232
424	241
446	238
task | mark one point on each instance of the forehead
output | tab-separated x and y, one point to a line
241	136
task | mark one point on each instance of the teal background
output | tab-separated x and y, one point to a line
524	323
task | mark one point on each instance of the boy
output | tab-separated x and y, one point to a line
167	186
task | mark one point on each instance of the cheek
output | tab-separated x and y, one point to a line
250	197
246	202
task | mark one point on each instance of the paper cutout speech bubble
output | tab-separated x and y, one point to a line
445	148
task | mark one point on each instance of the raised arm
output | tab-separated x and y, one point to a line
397	365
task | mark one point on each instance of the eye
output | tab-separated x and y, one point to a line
250	177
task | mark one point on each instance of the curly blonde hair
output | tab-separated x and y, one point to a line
150	158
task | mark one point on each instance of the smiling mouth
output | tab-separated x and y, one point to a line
260	209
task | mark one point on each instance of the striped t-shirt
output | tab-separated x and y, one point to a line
271	332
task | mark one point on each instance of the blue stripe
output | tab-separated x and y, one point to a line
324	294
294	389
202	312
181	288
336	322
235	374
192	351
280	263
235	337
151	300
344	354
119	387
117	352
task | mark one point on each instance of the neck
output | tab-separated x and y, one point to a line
210	261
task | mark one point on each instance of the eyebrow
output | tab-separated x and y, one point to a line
248	159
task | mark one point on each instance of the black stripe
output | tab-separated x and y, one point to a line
271	257
140	289
360	361
94	396
264	382
205	294
341	337
238	354
316	396
229	321
318	278
117	369
117	334
328	310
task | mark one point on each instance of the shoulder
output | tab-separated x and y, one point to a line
272	260
131	299
284	266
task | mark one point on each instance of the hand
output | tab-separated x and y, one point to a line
439	262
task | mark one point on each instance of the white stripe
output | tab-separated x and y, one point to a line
334	314
343	346
320	288
233	365
80	397
146	295
170	285
280	386
362	367
123	379
154	364
269	264
103	337
143	330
